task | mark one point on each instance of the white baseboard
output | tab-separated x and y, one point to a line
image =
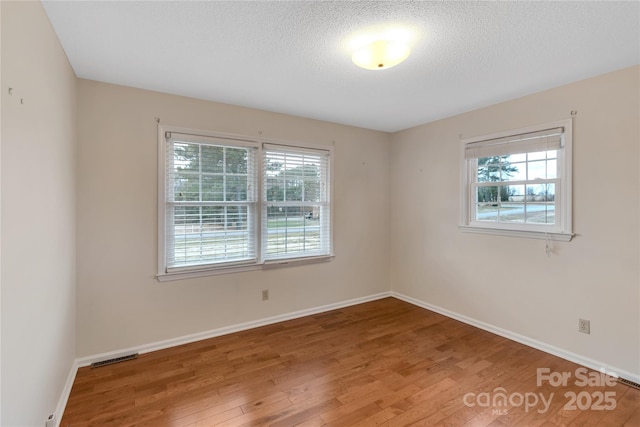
66	392
547	348
186	339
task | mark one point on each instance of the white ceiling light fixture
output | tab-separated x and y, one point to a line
381	54
382	46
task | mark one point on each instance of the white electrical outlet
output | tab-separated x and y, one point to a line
265	294
584	326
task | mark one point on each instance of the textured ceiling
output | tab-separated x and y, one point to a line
295	57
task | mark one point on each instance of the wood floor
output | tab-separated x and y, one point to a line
383	363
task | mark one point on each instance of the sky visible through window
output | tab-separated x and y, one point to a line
517	187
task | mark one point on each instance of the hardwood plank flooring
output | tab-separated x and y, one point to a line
383	363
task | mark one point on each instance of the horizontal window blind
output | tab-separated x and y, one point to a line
545	140
211	201
296	216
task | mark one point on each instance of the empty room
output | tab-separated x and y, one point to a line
319	213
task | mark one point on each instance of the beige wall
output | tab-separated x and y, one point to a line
121	304
38	216
509	282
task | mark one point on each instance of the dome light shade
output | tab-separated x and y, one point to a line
380	55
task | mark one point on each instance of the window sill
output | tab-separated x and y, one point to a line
560	237
268	265
292	262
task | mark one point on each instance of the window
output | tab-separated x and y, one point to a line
218	213
296	203
210	201
519	182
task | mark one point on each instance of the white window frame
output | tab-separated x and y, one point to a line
561	230
260	261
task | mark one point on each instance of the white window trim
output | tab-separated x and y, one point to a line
563	231
261	264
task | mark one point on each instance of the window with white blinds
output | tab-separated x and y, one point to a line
295	204
211	201
519	182
228	203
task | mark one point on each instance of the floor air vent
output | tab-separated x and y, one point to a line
114	360
629	383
